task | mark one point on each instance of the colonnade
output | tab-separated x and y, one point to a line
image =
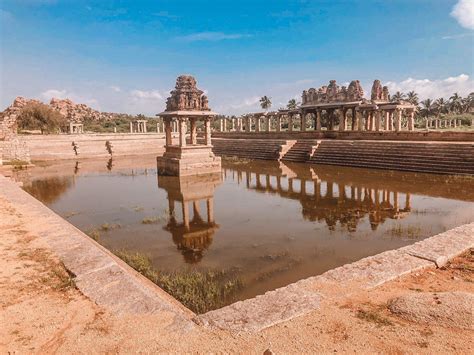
435	123
343	118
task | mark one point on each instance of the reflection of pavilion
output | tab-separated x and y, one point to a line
192	235
330	201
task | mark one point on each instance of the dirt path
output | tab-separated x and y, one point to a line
42	312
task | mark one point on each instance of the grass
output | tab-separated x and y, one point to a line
200	291
149	220
411	232
373	317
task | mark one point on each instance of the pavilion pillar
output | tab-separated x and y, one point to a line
248	124
131	127
290	122
318	120
303	121
185	211
372	121
224	124
386	119
144	125
193	131
207	131
278	123
454	123
360	120
411	121
182	131
398	120
168	136
258	122
354	119
343	120
330	119
377	120
269	123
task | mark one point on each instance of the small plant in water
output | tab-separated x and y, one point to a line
200	291
149	220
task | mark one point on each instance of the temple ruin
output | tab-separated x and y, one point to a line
334	108
187	105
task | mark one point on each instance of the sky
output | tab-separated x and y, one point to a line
124	56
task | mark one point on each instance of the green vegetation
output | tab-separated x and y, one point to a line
200	291
149	220
38	116
265	102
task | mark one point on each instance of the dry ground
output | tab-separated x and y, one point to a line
42	312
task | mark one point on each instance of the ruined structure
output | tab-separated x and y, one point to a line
187	105
333	106
13	147
78	113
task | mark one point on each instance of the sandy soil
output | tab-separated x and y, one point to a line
42	312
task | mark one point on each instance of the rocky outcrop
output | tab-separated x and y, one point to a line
78	113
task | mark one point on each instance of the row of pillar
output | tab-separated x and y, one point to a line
436	123
182	128
362	120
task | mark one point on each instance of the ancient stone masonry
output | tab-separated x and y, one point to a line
11	146
186	96
187	104
332	108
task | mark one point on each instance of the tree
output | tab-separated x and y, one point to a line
42	117
428	107
412	97
265	102
292	104
455	103
441	106
398	96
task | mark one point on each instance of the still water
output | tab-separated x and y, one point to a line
268	222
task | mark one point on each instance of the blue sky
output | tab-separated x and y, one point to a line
124	56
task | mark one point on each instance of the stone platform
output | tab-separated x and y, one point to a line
188	160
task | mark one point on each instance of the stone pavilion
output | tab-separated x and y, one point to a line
188	106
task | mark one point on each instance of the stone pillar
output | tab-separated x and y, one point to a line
168	136
455	123
372	121
248	124
290	122
182	131
354	119
427	123
303	121
131	127
343	120
269	123
318	120
377	120
224	124
207	131
398	120
193	131
411	121
278	122
258	125
361	120
386	119
185	211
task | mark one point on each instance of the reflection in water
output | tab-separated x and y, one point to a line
327	200
50	189
192	236
110	164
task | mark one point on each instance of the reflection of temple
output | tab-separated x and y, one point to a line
193	233
324	200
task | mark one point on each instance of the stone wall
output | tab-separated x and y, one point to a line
54	147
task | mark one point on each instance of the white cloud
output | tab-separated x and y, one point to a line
460	35
463	12
115	88
146	95
426	88
246	103
211	36
64	94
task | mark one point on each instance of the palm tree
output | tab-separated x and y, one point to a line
441	106
427	107
455	103
398	96
265	102
292	104
412	97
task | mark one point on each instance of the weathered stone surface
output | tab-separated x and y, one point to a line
186	96
263	311
333	93
442	247
448	309
375	270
